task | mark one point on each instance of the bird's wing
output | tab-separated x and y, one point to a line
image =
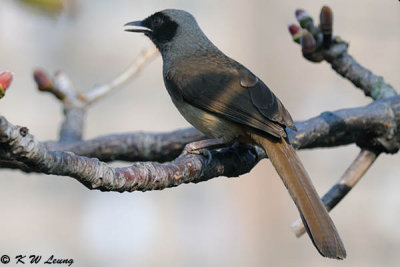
264	99
232	92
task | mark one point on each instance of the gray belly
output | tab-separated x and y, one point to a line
210	125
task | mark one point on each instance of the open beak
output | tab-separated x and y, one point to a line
138	27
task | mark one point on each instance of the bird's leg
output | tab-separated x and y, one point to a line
203	146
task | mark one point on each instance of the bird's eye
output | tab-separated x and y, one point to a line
157	21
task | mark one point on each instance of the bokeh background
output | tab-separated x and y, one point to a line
222	222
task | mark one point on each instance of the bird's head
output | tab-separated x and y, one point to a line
172	30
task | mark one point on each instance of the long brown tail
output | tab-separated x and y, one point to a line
316	219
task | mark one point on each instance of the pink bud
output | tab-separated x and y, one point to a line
42	80
6	78
293	29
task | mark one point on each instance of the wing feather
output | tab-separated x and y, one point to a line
228	89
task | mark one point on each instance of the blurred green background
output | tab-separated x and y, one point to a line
223	222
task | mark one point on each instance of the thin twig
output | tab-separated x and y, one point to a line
45	84
318	45
64	85
75	103
132	71
349	179
72	127
344	64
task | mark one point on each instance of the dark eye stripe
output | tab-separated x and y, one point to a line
165	31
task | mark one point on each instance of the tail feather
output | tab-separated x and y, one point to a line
316	219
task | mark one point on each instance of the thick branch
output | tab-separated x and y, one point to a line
379	119
374	127
140	146
142	176
355	125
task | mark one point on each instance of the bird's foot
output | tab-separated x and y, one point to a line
202	147
204	144
247	146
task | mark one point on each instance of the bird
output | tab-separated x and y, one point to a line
228	103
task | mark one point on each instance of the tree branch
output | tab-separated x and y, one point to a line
378	119
75	103
349	179
133	70
138	146
374	127
142	176
317	45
